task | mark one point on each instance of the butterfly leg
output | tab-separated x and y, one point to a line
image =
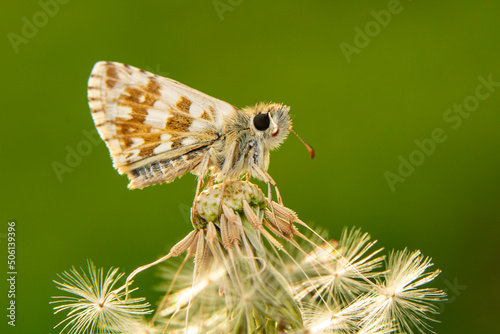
226	167
264	176
202	173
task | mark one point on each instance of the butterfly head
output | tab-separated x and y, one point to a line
271	123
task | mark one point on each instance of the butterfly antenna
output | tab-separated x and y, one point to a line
309	148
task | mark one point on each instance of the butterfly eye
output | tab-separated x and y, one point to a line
261	122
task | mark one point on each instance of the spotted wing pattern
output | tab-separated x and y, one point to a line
156	128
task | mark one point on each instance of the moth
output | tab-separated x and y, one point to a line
158	129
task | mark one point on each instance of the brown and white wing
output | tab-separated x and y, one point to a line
156	128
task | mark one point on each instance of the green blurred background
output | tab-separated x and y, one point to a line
361	102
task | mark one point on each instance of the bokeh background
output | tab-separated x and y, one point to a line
362	102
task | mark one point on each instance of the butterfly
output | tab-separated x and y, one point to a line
158	129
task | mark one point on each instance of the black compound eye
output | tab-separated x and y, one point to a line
261	121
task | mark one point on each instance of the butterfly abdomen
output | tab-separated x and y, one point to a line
166	170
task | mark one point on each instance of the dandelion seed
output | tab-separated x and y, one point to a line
345	319
318	319
340	274
91	308
398	297
181	298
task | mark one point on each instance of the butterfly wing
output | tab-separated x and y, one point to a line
156	128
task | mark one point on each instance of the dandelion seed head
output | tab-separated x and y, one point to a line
398	297
90	305
337	272
254	271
